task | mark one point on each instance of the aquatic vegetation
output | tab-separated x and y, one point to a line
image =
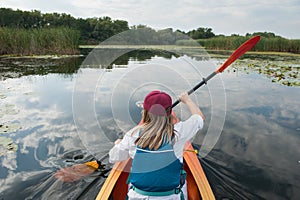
7	145
284	74
20	41
9	128
275	44
283	69
2	96
15	67
9	109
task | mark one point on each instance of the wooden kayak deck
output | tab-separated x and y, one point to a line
115	186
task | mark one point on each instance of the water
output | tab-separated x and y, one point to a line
56	113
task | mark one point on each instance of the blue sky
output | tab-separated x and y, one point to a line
281	17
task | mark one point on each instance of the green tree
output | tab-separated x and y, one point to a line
262	34
201	33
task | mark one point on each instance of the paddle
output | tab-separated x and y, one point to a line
246	46
75	172
78	171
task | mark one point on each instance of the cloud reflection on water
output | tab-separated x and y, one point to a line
260	138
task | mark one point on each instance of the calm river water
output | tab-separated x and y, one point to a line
58	112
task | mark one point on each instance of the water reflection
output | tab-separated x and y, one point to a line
257	152
18	67
256	156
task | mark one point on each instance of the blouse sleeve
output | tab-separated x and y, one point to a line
123	150
186	130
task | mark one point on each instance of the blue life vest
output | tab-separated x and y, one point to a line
156	170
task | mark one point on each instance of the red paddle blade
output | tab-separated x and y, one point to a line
246	46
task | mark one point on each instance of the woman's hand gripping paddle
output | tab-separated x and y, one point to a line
78	171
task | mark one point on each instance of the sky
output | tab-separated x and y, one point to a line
227	17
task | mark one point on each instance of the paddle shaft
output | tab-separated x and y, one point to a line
204	81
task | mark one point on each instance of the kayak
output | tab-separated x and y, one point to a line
115	186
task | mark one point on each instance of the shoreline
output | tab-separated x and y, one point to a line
178	47
12	56
211	52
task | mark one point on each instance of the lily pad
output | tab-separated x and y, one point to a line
9	109
29	93
7	145
9	128
285	73
2	96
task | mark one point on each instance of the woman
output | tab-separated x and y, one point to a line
156	147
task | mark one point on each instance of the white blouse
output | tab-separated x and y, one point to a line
185	131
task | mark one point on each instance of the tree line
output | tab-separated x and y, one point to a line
92	30
74	31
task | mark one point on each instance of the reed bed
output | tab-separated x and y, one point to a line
276	44
53	41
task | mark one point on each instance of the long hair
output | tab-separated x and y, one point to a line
156	130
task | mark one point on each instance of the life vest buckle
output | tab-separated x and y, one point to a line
177	190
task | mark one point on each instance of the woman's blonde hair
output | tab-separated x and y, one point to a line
156	130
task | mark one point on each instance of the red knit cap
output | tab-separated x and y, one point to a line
158	103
